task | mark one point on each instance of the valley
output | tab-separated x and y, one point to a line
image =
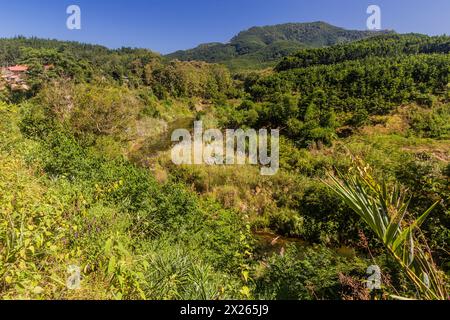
87	177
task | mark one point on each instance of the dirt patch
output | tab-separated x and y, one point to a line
440	150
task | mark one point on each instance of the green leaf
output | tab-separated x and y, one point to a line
112	265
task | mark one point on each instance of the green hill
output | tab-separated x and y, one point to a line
87	180
387	45
261	46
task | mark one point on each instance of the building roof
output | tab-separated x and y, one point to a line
18	68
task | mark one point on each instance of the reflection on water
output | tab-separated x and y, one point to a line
163	142
269	243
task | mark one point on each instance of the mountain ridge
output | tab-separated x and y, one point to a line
262	45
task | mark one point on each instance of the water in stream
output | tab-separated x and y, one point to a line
163	142
267	243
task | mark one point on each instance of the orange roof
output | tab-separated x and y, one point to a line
18	69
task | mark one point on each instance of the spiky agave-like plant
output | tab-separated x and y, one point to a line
385	209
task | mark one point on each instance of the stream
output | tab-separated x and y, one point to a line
267	243
163	142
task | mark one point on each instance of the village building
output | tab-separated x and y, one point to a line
15	77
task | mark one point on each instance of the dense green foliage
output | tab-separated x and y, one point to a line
112	219
126	66
335	87
385	210
382	46
336	92
260	46
82	183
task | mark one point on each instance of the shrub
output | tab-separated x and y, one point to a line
305	275
286	222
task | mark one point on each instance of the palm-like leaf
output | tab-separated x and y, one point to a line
384	210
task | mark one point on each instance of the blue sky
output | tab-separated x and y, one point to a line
168	25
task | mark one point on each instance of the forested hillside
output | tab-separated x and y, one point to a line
260	47
87	180
382	46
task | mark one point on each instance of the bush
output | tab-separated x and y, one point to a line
431	123
90	109
306	275
426	100
287	222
